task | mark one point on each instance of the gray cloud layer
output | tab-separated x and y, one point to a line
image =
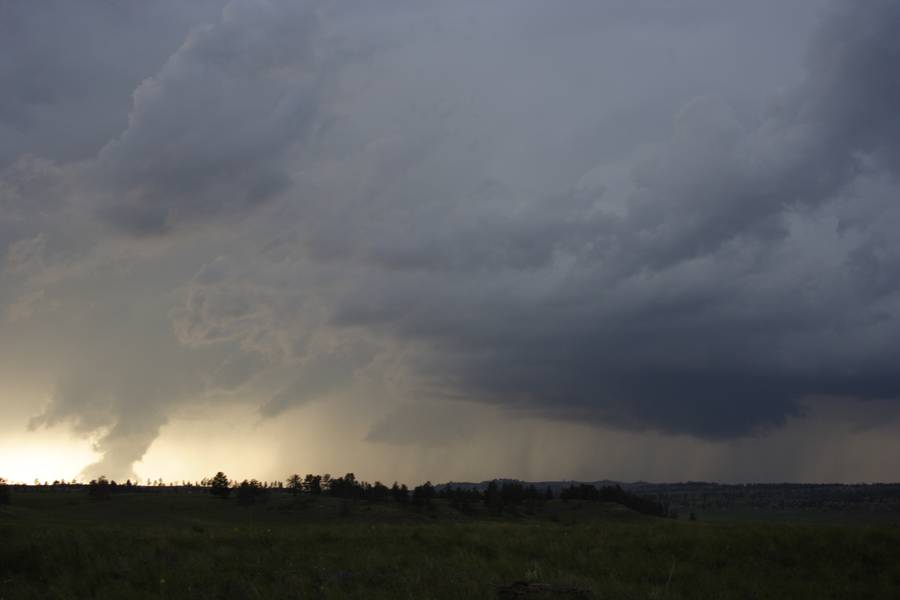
695	304
618	213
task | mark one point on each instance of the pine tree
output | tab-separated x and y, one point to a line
220	486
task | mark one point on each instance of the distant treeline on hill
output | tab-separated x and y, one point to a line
615	494
685	497
497	496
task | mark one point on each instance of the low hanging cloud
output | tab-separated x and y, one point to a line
466	202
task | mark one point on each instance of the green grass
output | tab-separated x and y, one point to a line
62	545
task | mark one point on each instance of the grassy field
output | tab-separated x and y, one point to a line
163	545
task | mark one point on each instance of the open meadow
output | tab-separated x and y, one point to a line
175	544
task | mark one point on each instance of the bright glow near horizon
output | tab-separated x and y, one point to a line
43	458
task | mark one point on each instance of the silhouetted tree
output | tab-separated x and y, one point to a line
4	492
400	493
376	492
250	492
511	493
295	484
312	484
219	485
460	499
99	489
582	491
423	494
492	499
346	487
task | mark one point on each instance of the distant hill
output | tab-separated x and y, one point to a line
705	496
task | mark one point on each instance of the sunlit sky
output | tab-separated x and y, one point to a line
599	239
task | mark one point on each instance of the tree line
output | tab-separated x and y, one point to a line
497	497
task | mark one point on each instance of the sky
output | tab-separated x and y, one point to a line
414	239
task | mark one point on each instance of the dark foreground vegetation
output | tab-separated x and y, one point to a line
354	540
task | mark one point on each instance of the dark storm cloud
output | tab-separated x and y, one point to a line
628	214
680	314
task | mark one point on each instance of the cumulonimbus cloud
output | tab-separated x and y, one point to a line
712	302
482	194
